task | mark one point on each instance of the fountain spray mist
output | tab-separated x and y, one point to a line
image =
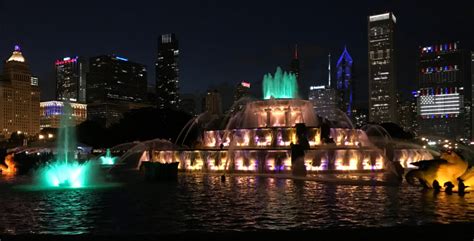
66	171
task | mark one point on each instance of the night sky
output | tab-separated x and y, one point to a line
223	42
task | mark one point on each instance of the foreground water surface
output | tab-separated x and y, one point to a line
200	202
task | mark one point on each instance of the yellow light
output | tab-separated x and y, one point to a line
41	137
50	135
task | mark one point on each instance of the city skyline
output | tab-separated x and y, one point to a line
232	56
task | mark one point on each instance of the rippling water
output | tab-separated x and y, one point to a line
199	202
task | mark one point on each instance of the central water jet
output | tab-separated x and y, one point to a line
66	171
282	85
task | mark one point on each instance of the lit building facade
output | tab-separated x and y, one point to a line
382	68
71	79
344	84
408	111
167	72
445	94
324	100
51	112
213	102
19	98
114	86
359	117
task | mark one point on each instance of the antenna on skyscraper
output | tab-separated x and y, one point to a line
329	70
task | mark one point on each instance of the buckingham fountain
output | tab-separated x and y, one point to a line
265	135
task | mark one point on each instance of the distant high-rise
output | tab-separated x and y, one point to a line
114	86
344	84
295	64
71	79
213	102
242	90
407	112
445	94
382	68
167	72
324	101
19	98
189	103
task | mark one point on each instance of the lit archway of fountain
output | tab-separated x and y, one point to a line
10	167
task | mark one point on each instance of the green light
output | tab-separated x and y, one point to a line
65	175
282	85
108	159
65	171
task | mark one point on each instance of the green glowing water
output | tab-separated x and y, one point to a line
65	175
108	159
65	171
282	85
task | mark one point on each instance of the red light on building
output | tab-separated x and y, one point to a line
66	61
245	84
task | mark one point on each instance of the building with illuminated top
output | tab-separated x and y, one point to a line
382	68
167	72
344	84
115	85
71	79
19	97
445	94
51	112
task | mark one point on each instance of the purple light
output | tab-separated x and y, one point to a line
17	48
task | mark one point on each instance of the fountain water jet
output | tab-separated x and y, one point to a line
282	85
66	171
108	159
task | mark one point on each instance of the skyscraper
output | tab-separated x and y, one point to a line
19	98
382	76
114	86
344	84
295	64
213	102
242	90
445	94
167	72
324	101
71	79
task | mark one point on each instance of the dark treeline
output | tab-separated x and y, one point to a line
136	125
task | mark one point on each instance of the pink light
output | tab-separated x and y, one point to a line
245	84
67	61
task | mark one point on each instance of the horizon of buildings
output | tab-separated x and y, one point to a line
110	85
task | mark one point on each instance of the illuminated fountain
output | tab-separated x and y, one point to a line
258	139
66	171
108	159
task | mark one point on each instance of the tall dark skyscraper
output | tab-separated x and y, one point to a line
295	64
71	79
114	86
445	94
382	68
344	84
167	72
